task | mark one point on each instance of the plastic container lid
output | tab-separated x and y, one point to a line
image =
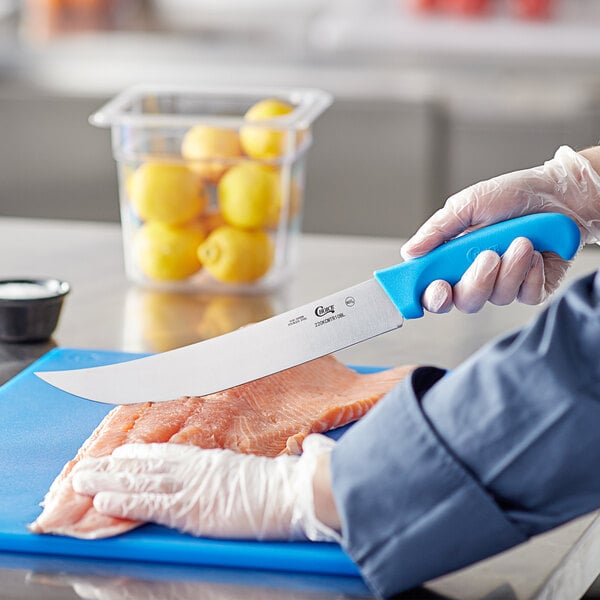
125	108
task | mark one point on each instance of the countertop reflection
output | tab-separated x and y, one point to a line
49	577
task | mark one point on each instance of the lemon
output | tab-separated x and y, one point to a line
248	194
168	252
210	150
261	142
236	255
168	193
294	206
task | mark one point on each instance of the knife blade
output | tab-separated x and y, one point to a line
337	321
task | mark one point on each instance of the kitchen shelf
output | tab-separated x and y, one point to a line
444	37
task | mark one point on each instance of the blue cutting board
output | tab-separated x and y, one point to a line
43	427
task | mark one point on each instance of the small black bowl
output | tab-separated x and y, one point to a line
30	308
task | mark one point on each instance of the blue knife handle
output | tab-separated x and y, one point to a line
405	283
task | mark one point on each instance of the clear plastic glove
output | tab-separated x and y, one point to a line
211	493
566	184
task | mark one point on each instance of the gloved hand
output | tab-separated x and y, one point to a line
566	184
211	493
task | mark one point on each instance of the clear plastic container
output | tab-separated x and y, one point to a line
211	183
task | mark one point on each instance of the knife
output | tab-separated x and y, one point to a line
342	319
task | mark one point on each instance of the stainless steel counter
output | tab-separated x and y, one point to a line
105	312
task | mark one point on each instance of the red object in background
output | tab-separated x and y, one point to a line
531	9
521	9
425	5
469	8
47	19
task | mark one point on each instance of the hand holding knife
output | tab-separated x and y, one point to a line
342	319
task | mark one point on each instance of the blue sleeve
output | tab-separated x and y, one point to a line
448	470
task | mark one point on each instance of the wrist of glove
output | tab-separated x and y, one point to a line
210	493
576	191
567	184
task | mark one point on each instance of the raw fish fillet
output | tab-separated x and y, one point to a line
269	416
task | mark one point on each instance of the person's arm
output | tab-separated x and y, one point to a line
449	469
540	390
593	155
569	183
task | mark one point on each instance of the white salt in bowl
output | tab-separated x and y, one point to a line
30	308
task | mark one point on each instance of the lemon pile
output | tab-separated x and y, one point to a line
217	208
168	199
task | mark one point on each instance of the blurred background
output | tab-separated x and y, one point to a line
430	95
